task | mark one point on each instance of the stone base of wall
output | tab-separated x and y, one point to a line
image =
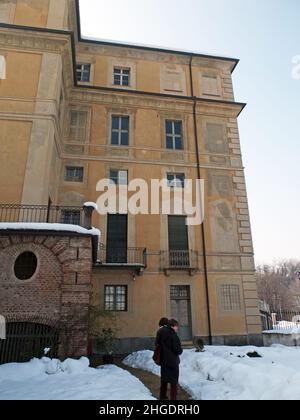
289	340
124	346
236	340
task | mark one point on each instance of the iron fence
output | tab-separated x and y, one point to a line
179	260
25	340
122	256
15	213
280	320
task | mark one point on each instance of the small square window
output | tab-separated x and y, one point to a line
83	73
116	298
119	177
176	180
74	174
229	297
70	217
121	76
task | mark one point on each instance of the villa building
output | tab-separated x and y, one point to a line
74	111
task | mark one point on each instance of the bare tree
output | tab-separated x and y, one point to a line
279	284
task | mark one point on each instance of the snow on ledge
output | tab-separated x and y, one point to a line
57	227
91	204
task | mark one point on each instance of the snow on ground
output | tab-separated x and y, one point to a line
227	373
49	379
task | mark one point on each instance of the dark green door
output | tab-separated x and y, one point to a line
117	244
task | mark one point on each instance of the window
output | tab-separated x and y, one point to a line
70	217
83	72
25	266
229	297
119	177
176	180
120	131
116	298
78	122
174	135
74	174
121	76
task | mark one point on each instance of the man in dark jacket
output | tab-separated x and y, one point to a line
170	351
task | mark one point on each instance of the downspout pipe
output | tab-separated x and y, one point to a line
202	224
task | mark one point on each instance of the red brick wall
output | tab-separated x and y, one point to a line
58	294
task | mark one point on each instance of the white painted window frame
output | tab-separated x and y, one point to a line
122	75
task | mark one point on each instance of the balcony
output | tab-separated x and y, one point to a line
179	261
17	213
130	258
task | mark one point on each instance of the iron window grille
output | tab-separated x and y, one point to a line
116	298
120	131
74	174
121	76
70	217
180	292
83	72
174	135
230	299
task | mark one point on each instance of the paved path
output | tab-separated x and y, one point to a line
152	382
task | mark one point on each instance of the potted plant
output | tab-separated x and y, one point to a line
106	345
103	330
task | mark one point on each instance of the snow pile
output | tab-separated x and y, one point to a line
50	379
56	227
227	373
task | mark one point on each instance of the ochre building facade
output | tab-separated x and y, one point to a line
74	111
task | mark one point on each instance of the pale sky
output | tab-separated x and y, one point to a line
265	36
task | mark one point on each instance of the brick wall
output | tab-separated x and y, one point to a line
59	292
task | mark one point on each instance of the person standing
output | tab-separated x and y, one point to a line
163	323
171	349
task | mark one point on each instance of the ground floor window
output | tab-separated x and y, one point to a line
116	298
70	217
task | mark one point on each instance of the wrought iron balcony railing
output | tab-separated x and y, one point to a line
136	257
179	260
18	213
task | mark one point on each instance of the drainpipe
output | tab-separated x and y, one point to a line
202	224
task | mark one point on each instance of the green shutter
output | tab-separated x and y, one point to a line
178	234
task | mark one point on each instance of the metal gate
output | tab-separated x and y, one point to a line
25	340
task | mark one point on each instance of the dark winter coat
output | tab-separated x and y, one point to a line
170	351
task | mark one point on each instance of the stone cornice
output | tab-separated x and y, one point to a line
53	41
161	102
38	40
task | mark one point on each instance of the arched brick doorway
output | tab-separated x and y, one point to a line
25	340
